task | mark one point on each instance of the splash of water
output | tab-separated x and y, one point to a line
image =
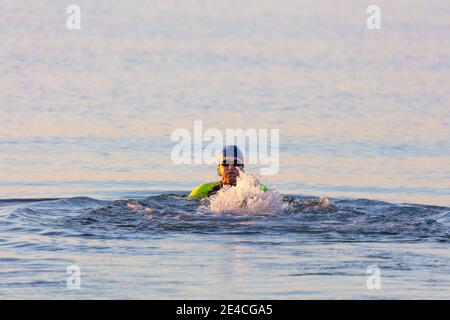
138	208
247	197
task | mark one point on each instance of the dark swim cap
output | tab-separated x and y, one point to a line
231	154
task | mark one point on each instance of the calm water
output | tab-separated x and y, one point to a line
86	118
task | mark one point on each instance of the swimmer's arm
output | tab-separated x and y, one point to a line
203	190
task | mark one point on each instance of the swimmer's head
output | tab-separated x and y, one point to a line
231	160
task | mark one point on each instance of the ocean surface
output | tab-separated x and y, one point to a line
87	179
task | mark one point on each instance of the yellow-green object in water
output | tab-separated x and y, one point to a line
207	189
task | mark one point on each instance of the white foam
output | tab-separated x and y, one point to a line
139	208
246	198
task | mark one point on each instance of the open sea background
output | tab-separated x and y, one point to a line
86	118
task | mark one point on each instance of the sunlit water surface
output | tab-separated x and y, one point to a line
86	118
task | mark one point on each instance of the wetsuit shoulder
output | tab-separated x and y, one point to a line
204	190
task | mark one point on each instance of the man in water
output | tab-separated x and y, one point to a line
231	160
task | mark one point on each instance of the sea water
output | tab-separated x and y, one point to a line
86	177
240	243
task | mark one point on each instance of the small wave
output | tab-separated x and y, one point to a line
12	202
243	209
247	197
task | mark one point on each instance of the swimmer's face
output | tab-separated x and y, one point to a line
229	173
